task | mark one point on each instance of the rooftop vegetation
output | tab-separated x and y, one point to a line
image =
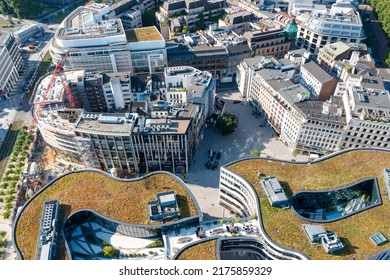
118	200
202	251
285	228
143	34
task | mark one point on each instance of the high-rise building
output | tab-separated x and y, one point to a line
10	62
91	42
321	26
185	84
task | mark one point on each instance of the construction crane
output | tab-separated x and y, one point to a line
58	71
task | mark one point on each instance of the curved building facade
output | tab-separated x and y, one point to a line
326	206
72	217
238	195
92	41
337	204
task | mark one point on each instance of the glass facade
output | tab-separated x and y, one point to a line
148	61
139	231
328	206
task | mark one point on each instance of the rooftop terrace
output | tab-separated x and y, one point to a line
285	228
117	199
86	22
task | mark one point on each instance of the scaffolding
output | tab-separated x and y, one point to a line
87	152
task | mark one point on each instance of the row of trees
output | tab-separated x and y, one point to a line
21	8
12	175
382	9
3	243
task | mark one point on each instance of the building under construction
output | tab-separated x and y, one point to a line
142	137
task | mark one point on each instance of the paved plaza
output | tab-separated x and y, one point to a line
248	135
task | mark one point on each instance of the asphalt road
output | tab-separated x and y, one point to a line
379	34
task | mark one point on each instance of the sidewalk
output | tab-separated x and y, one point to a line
10	253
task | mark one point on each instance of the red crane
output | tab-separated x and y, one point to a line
58	71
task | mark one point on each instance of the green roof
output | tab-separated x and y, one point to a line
285	228
125	201
143	34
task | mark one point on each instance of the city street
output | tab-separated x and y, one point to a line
378	33
248	135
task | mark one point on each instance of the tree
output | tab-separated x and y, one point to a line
22	8
200	23
110	251
388	60
149	18
255	153
227	123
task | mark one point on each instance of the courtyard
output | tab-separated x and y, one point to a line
252	133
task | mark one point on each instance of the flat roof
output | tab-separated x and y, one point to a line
312	231
313	110
106	124
371	95
320	74
143	34
84	22
336	49
161	126
56	94
167	198
274	190
197	81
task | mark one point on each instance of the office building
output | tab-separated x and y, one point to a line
10	62
195	51
301	121
122	6
248	67
298	57
321	26
367	106
27	32
238	22
332	52
317	80
186	84
131	19
189	10
267	38
91	42
147	50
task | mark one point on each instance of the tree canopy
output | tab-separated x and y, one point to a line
149	18
382	9
110	251
21	8
227	123
200	25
